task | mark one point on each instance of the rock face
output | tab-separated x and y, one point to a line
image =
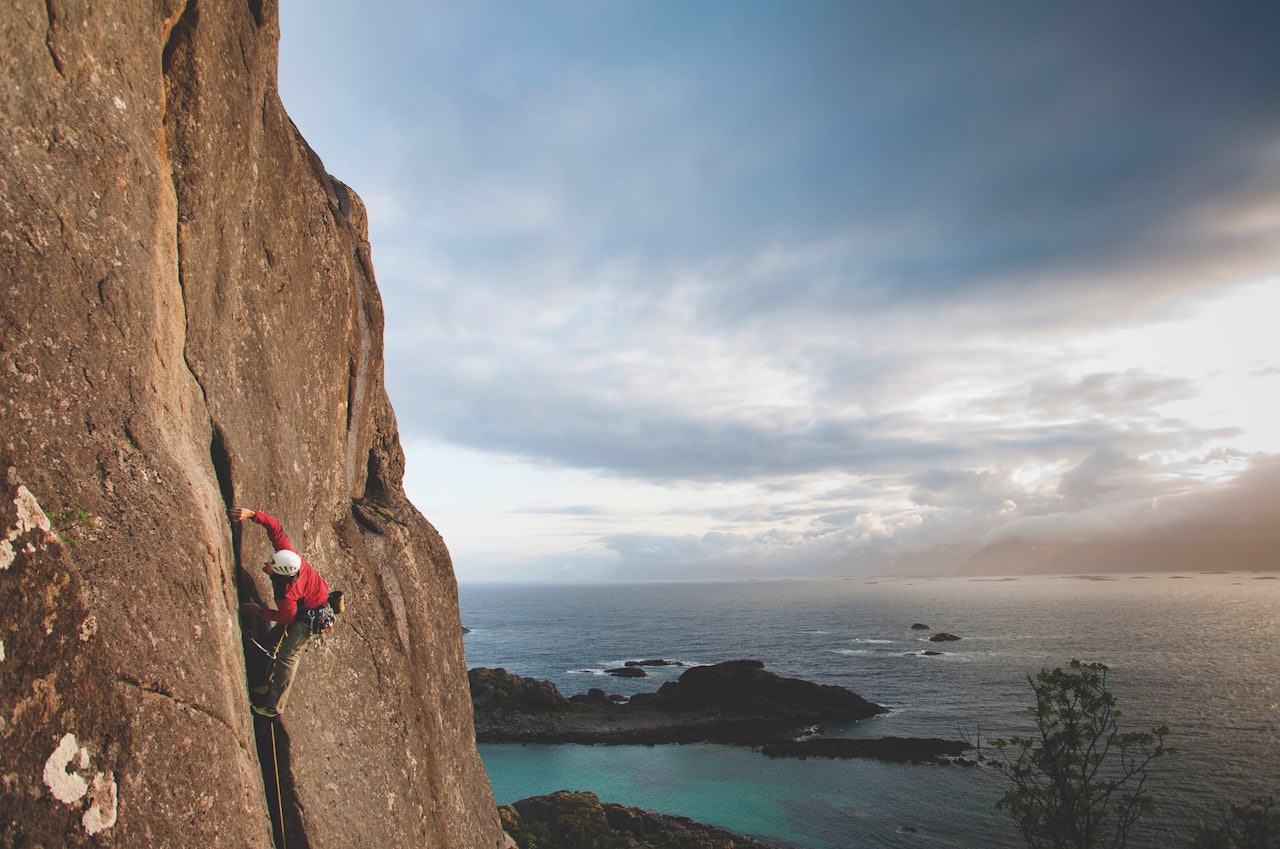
190	320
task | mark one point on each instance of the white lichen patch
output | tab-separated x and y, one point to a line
69	787
30	516
88	628
27	517
103	804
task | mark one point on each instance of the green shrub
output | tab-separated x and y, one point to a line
1252	826
1080	782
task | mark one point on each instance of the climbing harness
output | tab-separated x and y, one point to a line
323	618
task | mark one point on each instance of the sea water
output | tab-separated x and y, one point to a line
1197	652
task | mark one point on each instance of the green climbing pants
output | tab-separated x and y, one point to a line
286	643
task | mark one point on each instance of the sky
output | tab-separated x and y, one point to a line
742	289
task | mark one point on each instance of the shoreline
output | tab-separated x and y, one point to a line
736	703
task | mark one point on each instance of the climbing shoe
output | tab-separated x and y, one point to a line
269	713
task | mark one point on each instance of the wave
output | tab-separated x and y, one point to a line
668	665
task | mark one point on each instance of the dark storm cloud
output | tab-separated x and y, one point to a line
1018	146
939	148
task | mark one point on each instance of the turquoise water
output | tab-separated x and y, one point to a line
1197	652
815	803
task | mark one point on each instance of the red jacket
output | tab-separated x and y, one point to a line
305	591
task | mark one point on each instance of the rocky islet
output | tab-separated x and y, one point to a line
736	702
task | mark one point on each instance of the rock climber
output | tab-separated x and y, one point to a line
298	588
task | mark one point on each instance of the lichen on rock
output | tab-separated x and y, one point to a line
26	517
62	775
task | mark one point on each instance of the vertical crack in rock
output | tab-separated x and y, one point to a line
271	739
222	466
178	35
270	736
255	9
344	216
221	460
274	752
48	38
360	368
374	485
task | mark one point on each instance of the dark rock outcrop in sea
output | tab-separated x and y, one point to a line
733	702
571	819
943	637
913	750
189	320
498	691
744	688
627	672
596	696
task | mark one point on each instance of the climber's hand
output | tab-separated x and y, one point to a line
239	514
250	608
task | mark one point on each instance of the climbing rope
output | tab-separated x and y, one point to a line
275	763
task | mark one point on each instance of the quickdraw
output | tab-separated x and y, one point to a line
323	618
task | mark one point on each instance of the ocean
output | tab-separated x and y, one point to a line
1197	652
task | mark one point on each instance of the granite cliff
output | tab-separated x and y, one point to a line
189	320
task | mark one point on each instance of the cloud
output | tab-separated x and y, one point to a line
1110	498
904	163
1092	395
597	420
852	266
1142	522
1232	525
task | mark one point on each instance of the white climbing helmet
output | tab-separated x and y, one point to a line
285	563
